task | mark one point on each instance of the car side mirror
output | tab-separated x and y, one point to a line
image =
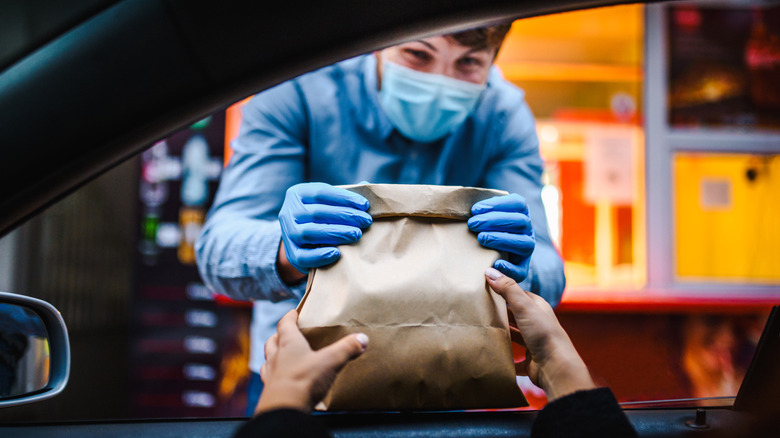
34	350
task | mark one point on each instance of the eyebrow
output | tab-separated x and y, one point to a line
472	51
477	50
429	45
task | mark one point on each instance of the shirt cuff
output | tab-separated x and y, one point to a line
279	291
593	412
282	422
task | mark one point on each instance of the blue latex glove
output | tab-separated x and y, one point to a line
315	217
503	224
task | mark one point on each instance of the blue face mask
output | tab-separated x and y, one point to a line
425	106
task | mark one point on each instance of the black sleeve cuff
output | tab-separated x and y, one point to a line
592	413
281	423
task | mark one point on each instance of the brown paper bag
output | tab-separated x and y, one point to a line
415	284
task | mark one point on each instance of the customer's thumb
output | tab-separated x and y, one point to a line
337	354
499	282
507	288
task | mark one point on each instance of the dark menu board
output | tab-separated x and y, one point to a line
189	349
724	66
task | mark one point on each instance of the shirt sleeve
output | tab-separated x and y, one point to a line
517	168
237	248
592	413
282	423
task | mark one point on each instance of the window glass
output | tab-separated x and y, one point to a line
728	217
723	68
582	74
189	348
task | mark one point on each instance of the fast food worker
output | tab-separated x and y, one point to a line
430	111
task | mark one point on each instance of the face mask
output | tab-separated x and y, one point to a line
425	106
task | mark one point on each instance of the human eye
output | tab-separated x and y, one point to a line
417	56
470	62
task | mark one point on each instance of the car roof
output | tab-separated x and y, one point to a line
107	80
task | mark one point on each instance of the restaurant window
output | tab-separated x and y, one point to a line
582	75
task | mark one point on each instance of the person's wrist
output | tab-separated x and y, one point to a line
284	395
563	374
289	274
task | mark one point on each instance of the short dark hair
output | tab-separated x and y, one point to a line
486	37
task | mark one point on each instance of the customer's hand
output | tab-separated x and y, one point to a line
315	217
551	362
295	376
503	224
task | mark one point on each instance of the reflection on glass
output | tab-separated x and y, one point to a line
724	66
716	352
24	351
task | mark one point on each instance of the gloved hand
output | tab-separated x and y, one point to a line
315	217
503	224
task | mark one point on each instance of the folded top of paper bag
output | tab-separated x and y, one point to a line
453	202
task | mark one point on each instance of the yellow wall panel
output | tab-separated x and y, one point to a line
610	35
728	217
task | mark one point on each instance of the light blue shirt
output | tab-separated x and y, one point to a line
328	126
